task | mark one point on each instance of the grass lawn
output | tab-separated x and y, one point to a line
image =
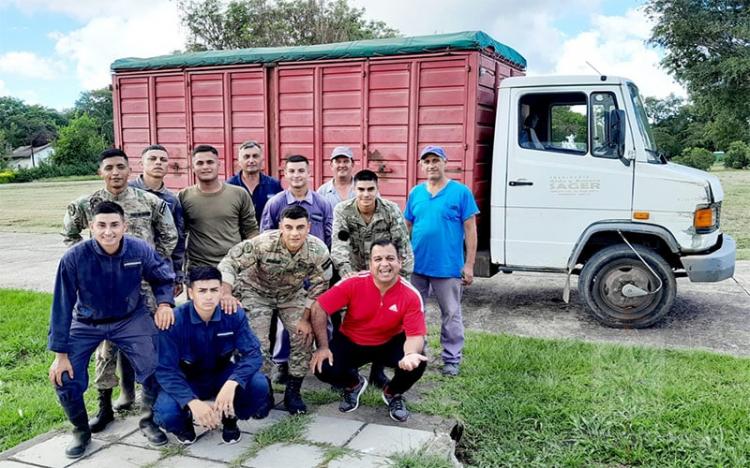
735	209
523	401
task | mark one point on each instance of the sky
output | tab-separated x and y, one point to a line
52	50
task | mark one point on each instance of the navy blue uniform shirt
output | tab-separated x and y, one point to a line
99	287
197	352
267	187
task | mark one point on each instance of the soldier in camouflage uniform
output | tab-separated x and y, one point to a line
148	218
269	271
360	221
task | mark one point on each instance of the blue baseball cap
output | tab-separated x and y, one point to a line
436	150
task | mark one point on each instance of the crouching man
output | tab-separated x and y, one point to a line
384	325
209	355
98	297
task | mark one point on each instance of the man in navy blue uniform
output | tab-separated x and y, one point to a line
209	355
98	297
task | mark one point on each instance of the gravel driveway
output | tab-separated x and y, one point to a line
708	316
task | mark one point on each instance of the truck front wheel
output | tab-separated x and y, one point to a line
610	270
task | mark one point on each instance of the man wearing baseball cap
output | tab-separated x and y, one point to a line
441	217
341	187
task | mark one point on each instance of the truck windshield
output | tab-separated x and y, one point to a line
643	126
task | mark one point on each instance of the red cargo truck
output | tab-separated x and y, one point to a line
384	98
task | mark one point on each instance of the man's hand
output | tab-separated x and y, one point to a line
204	414
467	275
164	316
59	366
411	361
304	331
229	303
224	403
320	356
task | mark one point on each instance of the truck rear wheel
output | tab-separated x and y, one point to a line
608	271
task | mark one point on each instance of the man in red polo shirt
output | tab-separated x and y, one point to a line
384	324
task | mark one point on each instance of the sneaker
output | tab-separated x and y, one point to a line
350	402
230	433
187	435
450	370
396	407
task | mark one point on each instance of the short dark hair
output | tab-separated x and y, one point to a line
112	153
154	147
365	175
108	207
203	273
297	158
295	212
250	144
385	242
205	149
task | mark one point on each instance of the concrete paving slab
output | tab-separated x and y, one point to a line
253	426
118	429
334	431
51	452
376	439
12	464
120	456
211	446
285	455
180	461
360	460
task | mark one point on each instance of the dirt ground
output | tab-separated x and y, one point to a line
708	316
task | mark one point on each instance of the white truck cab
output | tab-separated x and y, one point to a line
579	188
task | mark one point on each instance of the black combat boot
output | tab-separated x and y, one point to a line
81	432
127	384
281	373
155	436
292	397
105	415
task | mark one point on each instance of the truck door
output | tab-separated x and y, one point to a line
561	175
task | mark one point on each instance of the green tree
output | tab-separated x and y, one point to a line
707	45
676	125
97	104
213	24
79	143
699	158
28	124
737	156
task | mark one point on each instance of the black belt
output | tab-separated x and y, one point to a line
102	321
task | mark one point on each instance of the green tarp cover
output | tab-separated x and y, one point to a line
467	40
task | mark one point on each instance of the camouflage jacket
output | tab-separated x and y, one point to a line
350	250
146	215
265	266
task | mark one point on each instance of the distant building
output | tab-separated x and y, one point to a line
21	157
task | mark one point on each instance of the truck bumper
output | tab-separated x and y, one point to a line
712	267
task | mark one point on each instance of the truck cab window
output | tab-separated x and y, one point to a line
554	122
602	105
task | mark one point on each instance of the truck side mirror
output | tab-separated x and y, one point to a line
616	131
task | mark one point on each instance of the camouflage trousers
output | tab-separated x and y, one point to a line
259	309
107	353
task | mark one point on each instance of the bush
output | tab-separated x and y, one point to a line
699	158
45	171
79	143
7	177
737	156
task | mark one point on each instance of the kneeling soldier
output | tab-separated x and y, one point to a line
207	355
98	297
270	271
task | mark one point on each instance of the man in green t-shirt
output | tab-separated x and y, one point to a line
217	215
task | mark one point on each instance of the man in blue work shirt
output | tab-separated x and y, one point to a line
98	297
250	177
207	355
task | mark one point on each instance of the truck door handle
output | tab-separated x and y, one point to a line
516	183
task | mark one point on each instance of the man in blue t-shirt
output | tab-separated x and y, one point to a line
441	217
250	177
